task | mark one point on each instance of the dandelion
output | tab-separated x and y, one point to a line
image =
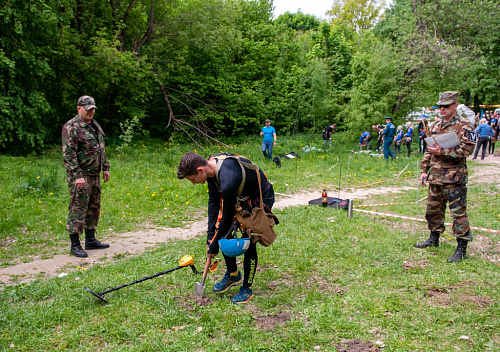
38	177
176	196
187	202
60	221
40	202
132	175
128	194
161	188
51	194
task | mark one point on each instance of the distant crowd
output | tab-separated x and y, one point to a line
487	130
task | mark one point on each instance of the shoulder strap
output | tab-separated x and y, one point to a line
236	157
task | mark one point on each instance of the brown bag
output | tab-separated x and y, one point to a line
259	225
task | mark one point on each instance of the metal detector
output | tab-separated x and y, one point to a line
184	262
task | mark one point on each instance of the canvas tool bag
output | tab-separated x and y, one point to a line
258	224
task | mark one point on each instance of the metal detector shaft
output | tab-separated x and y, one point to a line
100	295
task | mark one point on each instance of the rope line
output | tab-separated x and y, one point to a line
417	219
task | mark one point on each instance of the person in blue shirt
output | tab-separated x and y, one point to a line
494	138
269	140
408	137
388	133
364	140
398	140
483	133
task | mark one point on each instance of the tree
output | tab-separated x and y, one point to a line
357	14
299	21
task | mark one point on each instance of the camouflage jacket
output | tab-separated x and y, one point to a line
450	166
83	149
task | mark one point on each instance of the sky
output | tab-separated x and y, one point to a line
312	7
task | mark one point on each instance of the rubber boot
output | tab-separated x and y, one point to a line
433	240
460	253
76	248
91	242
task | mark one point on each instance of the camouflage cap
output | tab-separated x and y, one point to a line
447	98
87	102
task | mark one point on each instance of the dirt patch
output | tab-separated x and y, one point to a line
439	297
445	295
271	321
487	173
356	346
418	264
485	247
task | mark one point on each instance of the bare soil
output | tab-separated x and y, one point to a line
135	243
356	346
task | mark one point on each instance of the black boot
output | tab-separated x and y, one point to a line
433	240
76	248
91	242
460	253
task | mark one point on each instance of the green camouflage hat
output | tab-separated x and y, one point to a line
87	102
447	98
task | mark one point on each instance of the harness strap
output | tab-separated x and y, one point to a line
236	157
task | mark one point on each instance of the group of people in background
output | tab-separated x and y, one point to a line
389	135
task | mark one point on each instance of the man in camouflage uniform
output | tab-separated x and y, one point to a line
446	171
84	158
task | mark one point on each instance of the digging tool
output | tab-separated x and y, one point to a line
199	287
184	262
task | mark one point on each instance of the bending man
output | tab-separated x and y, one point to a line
224	177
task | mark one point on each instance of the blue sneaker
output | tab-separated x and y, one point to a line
226	282
244	296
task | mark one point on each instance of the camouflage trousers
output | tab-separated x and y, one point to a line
456	195
85	205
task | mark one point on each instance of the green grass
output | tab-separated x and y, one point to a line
329	276
326	279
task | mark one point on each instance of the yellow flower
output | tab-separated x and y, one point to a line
39	202
60	221
128	194
38	177
51	194
187	202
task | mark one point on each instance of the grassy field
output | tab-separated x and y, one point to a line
328	283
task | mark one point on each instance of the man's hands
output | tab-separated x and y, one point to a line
80	183
423	177
434	150
210	255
